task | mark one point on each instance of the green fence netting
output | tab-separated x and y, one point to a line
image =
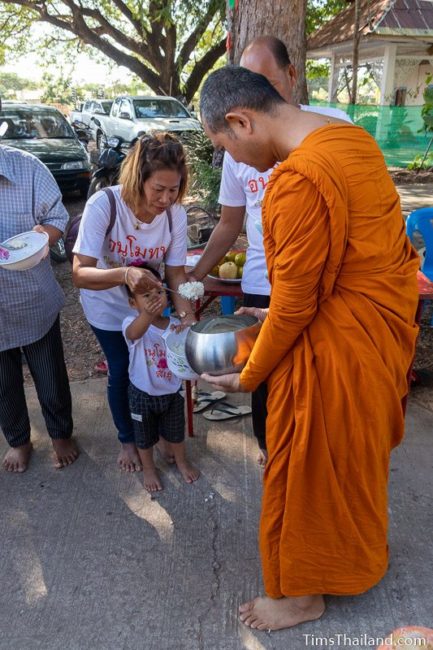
398	129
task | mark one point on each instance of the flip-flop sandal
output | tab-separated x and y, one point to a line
204	400
101	367
226	411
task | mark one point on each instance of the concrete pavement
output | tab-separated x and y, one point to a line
414	196
89	561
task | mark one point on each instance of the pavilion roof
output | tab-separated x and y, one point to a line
380	18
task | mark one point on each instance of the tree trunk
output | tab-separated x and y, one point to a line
281	18
355	55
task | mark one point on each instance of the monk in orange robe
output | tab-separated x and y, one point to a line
335	347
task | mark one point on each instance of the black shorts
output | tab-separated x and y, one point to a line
156	415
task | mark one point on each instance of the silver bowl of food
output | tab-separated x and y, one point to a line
222	344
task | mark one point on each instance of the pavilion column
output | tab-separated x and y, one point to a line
388	76
333	81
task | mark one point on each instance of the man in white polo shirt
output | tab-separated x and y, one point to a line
242	190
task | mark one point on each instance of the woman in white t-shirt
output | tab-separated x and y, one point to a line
150	228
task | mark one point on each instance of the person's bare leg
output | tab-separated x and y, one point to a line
165	451
151	480
128	459
187	469
262	457
278	613
65	452
17	458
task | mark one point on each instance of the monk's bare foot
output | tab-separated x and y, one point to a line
151	480
262	458
128	459
188	471
165	452
65	452
276	614
17	458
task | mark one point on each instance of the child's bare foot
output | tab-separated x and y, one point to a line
151	480
277	614
165	451
262	458
17	458
128	459
65	452
188	471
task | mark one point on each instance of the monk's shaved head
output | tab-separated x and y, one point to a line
273	45
267	55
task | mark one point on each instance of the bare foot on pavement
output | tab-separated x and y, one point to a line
165	451
262	458
188	471
128	459
17	458
277	614
65	452
151	480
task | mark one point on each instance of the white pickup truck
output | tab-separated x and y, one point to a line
85	111
131	117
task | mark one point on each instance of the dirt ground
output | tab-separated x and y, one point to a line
82	351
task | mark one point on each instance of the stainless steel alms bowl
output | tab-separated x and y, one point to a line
221	344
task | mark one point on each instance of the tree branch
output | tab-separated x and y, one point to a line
151	56
110	30
192	40
138	26
201	67
79	28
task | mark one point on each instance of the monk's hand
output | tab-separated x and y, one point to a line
186	321
259	313
230	383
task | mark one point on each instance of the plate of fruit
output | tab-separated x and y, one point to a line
230	268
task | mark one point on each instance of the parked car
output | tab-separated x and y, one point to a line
45	132
86	110
131	117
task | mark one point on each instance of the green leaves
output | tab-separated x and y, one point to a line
320	11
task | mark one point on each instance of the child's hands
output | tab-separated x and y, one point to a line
152	304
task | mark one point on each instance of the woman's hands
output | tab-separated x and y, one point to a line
258	312
141	280
229	383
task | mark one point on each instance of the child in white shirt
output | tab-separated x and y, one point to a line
156	406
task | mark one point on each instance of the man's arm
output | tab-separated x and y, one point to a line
54	234
50	213
222	238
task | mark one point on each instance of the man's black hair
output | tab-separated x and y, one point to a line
235	87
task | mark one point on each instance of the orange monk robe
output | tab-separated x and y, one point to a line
335	350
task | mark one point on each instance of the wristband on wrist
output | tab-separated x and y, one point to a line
125	279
